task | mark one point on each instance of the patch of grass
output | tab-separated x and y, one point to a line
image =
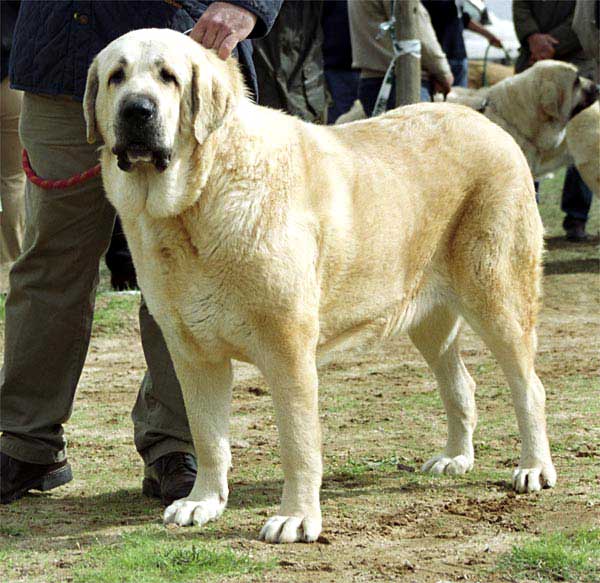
340	403
580	385
153	558
115	312
356	468
12	530
550	197
562	256
556	557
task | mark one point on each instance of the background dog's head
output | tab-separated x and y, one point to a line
151	90
562	92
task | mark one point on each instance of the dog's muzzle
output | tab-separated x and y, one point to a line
138	135
590	96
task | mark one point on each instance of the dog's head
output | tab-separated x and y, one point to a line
562	92
152	89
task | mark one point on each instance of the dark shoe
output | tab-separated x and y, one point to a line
170	477
575	231
17	477
119	261
124	281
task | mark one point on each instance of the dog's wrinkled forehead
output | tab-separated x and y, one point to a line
564	74
131	57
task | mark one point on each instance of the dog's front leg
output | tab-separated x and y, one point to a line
207	395
294	384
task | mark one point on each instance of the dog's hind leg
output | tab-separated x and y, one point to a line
207	394
436	336
496	270
514	348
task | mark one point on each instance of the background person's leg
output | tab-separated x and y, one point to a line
460	71
425	91
52	285
343	89
161	430
119	261
159	417
50	307
576	202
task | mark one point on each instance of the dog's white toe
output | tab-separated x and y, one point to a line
442	464
290	529
534	479
187	512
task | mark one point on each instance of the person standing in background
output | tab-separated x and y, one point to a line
545	30
12	178
372	52
49	308
289	62
586	24
340	78
449	22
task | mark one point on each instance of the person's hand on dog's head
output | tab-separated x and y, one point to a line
222	27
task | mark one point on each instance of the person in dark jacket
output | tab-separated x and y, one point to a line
289	62
52	285
545	31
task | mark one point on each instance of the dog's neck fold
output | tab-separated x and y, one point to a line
539	134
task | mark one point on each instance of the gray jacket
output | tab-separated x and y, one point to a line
553	17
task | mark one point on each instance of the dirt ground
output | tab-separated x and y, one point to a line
382	417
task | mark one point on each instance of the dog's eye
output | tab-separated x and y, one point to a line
116	77
167	76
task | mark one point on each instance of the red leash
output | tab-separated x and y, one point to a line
55	184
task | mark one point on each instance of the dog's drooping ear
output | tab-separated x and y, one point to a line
89	102
551	99
212	102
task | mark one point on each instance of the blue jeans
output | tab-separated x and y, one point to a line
343	88
460	70
576	198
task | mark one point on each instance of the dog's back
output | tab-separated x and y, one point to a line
392	208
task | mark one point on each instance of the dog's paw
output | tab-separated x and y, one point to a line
291	529
442	464
534	479
186	512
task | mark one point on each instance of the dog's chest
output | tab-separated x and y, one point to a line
185	293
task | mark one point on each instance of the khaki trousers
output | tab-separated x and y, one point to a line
12	179
50	303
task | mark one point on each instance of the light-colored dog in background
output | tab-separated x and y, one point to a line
490	72
536	108
583	142
262	238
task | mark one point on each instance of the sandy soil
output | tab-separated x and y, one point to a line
382	418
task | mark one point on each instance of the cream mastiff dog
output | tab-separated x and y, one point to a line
535	108
538	108
583	140
262	238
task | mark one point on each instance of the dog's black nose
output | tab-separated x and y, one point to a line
138	110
